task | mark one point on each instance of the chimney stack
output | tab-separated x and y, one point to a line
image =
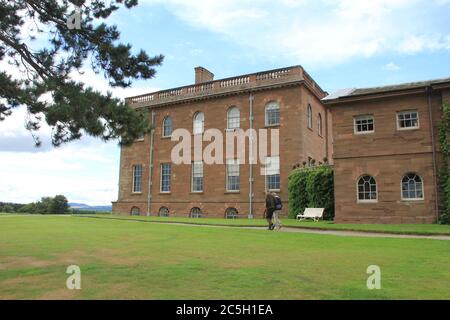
203	75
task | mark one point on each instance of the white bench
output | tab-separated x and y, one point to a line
311	213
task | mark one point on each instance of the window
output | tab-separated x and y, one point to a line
309	116
319	125
195	213
364	124
197	176
137	178
233	118
199	122
272	114
367	189
167	127
135	211
407	120
233	179
273	173
163	212
231	213
140	137
412	187
166	173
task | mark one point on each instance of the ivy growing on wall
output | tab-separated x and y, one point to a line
444	175
311	188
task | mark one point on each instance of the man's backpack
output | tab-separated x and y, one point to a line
278	203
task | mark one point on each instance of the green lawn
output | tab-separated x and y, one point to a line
122	259
419	229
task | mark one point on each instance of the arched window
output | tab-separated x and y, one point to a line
319	125
272	114
163	212
367	189
233	118
231	213
196	212
309	116
199	121
135	211
412	187
167	127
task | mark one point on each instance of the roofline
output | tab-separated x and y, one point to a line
414	89
229	78
229	93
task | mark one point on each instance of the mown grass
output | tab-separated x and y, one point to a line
122	259
419	229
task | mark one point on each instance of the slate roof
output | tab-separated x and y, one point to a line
352	92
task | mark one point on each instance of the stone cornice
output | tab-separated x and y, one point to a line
272	79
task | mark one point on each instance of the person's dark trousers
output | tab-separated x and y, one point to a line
269	217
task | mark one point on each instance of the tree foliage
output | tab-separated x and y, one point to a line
444	175
47	205
73	109
311	188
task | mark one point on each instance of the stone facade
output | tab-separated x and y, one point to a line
293	90
387	154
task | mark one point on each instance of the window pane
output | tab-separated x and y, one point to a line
364	124
167	127
137	178
272	114
197	176
412	187
198	123
233	118
367	188
408	119
166	171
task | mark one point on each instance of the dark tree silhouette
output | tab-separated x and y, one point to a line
73	109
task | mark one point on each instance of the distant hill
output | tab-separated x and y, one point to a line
83	206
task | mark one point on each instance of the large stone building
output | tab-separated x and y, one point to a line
286	99
386	152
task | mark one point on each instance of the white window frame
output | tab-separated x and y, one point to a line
192	176
236	118
195	122
273	105
407	112
133	189
161	178
357	191
363	117
268	161
423	188
232	162
164	126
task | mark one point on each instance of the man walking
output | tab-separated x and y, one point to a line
270	208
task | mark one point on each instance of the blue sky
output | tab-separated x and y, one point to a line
341	43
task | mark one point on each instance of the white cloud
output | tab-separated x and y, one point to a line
391	66
324	32
83	172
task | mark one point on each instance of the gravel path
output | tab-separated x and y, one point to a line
343	233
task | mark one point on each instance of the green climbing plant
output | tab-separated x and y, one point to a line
444	175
